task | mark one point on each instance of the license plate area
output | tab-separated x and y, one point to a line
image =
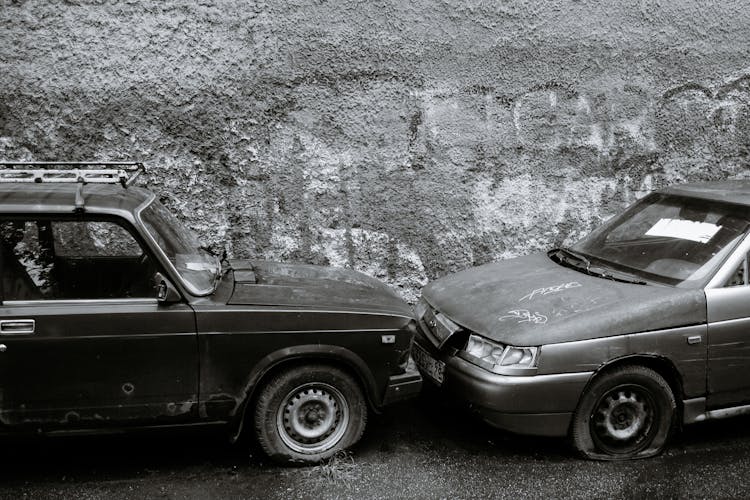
433	368
439	327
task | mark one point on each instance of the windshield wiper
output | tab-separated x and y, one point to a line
566	255
209	249
611	274
221	260
577	260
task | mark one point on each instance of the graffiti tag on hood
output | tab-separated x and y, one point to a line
550	289
525	316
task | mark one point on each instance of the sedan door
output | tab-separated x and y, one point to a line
729	339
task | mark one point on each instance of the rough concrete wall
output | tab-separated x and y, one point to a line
403	139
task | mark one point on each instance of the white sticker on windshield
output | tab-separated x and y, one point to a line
199	266
195	262
702	232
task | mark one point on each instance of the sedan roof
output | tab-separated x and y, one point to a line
730	191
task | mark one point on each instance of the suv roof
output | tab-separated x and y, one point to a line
58	187
47	197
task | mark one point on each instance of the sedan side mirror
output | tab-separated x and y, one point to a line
166	293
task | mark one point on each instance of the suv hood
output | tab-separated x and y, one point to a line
533	300
301	285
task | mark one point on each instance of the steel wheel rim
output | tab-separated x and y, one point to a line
624	420
312	418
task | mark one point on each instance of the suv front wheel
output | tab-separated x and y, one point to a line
308	413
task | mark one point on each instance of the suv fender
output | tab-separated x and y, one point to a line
304	354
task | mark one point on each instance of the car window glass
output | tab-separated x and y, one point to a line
198	269
26	271
739	277
93	239
671	239
60	259
641	223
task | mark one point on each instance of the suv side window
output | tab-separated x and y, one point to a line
73	259
23	271
93	239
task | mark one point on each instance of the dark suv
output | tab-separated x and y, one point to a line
114	317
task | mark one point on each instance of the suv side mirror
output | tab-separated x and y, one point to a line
166	293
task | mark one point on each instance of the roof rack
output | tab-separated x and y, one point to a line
113	172
108	172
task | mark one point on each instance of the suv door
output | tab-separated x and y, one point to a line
83	340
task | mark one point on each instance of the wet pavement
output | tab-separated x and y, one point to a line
418	449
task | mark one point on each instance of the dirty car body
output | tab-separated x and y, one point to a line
640	327
113	318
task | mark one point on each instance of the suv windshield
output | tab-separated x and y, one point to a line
669	239
197	268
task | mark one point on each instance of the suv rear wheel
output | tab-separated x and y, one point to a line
626	413
308	413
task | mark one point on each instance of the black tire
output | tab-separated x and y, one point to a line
624	414
308	413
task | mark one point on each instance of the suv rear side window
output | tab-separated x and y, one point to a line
64	259
93	239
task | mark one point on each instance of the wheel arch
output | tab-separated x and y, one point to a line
299	355
580	433
660	364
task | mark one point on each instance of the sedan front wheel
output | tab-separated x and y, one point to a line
626	413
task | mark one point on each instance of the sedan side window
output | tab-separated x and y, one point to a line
73	259
740	276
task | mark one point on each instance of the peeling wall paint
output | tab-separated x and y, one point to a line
403	139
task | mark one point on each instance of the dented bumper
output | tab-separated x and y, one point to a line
403	386
539	404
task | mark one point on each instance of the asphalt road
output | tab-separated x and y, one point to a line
418	449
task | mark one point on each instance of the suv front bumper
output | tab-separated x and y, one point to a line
403	386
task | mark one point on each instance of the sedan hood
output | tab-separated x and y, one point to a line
533	300
300	285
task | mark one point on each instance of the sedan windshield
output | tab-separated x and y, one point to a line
197	268
669	239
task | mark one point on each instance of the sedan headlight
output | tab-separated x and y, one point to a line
497	358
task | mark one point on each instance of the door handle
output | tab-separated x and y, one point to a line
17	326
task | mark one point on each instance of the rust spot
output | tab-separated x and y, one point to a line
187	406
128	388
71	417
